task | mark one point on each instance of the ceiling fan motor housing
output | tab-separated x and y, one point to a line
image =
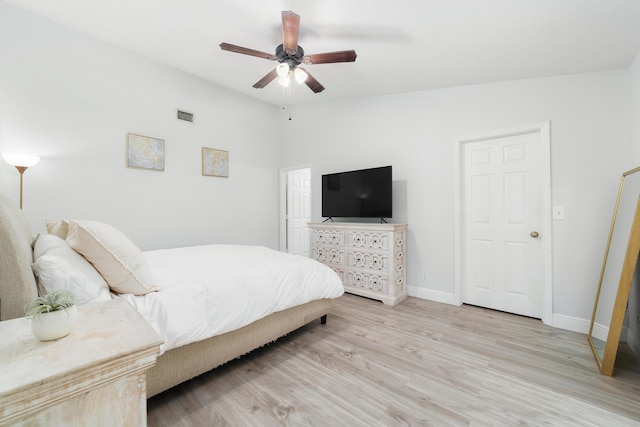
293	60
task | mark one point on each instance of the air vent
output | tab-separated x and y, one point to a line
185	115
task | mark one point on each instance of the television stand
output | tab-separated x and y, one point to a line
368	257
328	219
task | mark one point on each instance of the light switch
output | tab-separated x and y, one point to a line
558	212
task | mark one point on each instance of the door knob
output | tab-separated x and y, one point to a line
534	234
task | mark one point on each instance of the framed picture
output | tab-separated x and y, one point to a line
215	162
145	152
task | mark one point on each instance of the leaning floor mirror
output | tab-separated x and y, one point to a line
618	268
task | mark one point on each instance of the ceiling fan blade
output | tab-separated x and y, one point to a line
330	57
246	51
290	30
266	79
313	84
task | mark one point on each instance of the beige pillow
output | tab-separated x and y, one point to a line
57	227
116	258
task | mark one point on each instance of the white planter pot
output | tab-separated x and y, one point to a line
54	325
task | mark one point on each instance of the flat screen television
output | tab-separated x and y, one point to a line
364	193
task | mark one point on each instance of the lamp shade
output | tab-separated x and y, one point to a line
282	69
20	159
284	80
300	75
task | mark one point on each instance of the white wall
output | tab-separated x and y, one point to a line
72	99
415	133
634	113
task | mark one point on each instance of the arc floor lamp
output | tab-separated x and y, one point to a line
21	162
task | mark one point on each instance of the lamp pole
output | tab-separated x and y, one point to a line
21	170
21	162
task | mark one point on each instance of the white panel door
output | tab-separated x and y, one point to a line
502	254
298	211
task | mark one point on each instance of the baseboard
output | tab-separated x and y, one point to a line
571	323
633	342
561	321
432	295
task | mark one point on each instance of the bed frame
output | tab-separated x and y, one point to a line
18	286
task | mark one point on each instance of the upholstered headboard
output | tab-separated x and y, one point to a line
17	282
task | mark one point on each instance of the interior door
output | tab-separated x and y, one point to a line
502	255
298	211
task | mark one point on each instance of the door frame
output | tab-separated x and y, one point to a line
282	209
543	129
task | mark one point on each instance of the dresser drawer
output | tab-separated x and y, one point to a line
369	258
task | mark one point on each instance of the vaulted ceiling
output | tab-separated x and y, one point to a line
402	45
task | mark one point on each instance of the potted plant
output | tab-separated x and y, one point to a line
53	315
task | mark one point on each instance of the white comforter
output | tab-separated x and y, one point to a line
213	289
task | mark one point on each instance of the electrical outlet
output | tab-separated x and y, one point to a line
424	277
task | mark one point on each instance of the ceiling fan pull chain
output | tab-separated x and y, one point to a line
283	98
289	93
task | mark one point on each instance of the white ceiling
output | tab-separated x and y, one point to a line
402	45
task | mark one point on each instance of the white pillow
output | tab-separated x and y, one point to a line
57	266
116	258
59	227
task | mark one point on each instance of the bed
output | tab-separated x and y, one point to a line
181	358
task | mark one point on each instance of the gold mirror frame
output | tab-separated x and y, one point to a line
618	268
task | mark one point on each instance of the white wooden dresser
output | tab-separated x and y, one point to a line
95	376
369	258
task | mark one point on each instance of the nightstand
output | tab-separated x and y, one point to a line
93	376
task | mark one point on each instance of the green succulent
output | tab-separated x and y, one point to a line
61	299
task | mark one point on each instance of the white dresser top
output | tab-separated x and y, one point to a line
358	226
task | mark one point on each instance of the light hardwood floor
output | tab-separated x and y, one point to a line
418	363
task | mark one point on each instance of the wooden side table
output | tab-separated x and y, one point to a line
93	376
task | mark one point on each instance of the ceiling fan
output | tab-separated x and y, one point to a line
290	55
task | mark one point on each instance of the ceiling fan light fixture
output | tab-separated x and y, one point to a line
282	69
300	75
289	55
284	80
